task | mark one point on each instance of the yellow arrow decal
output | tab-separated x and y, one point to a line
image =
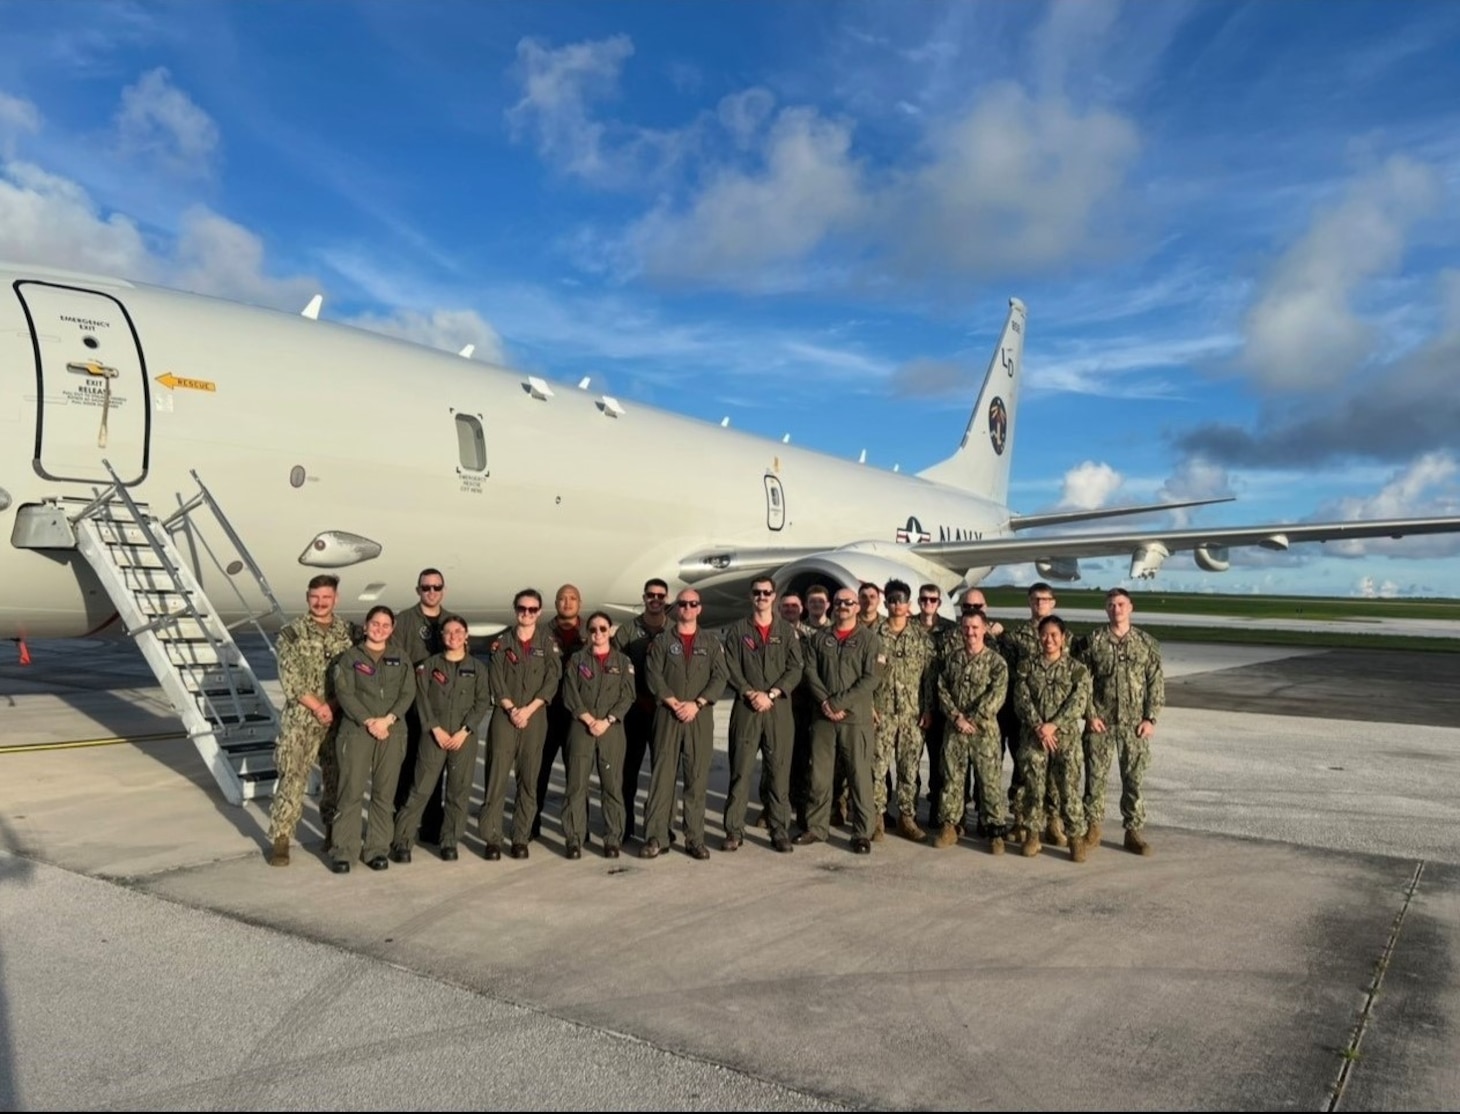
171	382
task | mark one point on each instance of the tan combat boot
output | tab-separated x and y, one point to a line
878	828
279	852
908	828
1054	832
947	836
996	843
1078	850
1031	845
1135	844
1092	837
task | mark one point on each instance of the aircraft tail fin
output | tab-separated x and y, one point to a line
981	462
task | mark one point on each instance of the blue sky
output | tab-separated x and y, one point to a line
1234	224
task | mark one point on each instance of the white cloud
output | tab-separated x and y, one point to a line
1010	183
159	122
745	222
1089	486
1194	478
1367	588
1304	333
17	117
1426	486
52	221
447	329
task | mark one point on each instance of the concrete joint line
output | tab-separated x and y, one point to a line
1350	1054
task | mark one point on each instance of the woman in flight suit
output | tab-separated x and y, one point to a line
452	699
375	685
598	689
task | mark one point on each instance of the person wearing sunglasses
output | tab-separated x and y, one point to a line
686	675
453	697
842	673
902	709
417	637
763	660
930	598
374	685
633	638
597	691
524	669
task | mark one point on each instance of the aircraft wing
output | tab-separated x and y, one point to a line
1147	549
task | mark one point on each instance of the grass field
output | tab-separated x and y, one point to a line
1151	603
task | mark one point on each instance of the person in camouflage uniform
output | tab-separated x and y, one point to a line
1052	697
930	598
1019	644
1128	691
306	647
902	708
971	688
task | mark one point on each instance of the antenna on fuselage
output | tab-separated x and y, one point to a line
786	440
466	352
862	459
725	422
311	311
583	383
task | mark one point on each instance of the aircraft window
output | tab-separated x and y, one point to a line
471	443
775	503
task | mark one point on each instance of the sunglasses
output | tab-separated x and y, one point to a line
897	597
598	630
846	603
521	610
656	595
430	587
761	594
929	599
688	603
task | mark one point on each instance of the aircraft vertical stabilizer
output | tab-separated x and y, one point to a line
981	463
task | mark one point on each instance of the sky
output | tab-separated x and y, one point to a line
1234	225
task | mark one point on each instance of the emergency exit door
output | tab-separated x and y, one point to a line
92	399
775	502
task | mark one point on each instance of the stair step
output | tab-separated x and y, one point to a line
155	602
147	579
121	532
256	765
191	653
135	557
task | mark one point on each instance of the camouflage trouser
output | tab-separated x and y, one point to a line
985	753
301	743
1064	772
1135	756
1099	753
899	746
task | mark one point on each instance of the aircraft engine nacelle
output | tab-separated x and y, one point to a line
1058	568
1146	561
1211	558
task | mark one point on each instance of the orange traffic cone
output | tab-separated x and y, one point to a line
24	652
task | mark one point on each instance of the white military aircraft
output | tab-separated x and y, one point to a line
328	447
167	458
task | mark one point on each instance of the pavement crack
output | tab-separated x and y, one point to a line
1351	1052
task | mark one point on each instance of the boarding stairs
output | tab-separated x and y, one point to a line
192	652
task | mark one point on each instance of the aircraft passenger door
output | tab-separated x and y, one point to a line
93	402
775	502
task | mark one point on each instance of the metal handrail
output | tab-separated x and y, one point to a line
119	490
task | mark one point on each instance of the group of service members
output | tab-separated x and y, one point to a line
838	700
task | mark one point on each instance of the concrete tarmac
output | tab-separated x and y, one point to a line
1291	943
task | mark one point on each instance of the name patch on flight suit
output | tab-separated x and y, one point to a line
365	667
466	672
614	671
537	652
699	653
390	661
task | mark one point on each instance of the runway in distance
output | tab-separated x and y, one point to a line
330	448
